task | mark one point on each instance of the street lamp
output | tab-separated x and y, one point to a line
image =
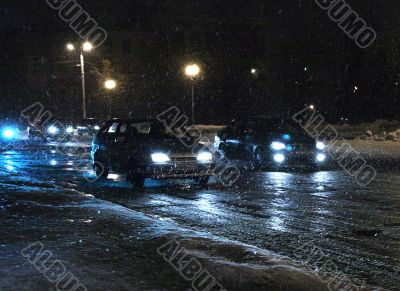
86	47
110	85
192	71
70	47
312	107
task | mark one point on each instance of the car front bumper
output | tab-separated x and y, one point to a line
302	158
175	170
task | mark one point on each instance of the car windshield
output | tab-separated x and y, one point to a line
151	130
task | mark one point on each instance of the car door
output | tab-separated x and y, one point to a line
101	143
120	147
107	142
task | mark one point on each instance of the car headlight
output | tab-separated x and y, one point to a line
320	145
160	158
52	130
70	129
9	133
279	158
204	157
278	146
96	127
321	158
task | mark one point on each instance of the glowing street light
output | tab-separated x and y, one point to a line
86	47
253	71
312	107
110	84
192	71
70	47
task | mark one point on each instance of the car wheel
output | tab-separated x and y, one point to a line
101	171
138	182
203	181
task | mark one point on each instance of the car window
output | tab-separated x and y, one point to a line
113	128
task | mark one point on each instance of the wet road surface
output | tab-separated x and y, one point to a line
262	221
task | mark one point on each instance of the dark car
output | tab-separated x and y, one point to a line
90	126
270	142
145	149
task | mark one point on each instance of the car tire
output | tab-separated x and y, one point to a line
138	181
101	172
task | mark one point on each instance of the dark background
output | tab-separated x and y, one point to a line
151	41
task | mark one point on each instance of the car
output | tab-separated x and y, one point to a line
146	149
51	130
270	142
89	126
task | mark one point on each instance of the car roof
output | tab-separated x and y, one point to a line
128	120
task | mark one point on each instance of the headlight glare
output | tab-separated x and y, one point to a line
160	158
204	157
8	133
279	158
320	145
278	146
52	129
217	141
321	158
70	129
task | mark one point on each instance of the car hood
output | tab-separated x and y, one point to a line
173	147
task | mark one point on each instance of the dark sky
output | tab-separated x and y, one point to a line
228	38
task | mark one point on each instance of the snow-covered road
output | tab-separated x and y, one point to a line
248	236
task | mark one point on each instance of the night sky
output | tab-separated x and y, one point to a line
301	57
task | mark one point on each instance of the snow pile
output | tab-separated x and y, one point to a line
380	130
382	136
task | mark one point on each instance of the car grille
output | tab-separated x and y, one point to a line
183	159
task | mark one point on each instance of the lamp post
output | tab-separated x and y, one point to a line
110	85
192	71
86	47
